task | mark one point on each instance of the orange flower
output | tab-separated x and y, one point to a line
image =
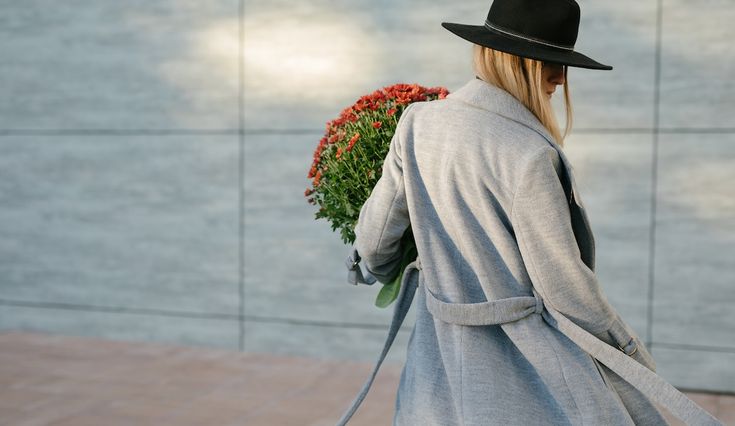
392	111
377	124
339	152
352	142
354	138
349	146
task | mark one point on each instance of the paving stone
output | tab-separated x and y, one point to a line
259	386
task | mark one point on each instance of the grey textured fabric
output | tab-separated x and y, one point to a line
355	275
512	326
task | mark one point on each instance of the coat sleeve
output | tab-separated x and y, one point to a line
542	223
383	218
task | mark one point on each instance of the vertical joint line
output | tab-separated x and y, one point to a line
654	171
241	176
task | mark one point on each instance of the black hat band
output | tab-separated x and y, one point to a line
513	34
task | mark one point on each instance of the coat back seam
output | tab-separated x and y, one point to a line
566	383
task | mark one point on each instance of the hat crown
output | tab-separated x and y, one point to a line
554	22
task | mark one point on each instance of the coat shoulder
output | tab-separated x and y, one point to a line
500	138
465	118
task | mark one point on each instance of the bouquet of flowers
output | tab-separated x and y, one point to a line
348	163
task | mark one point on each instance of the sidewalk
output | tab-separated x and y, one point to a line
74	381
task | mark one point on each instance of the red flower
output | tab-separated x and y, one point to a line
353	141
351	144
440	92
379	109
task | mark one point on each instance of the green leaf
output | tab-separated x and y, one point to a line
390	291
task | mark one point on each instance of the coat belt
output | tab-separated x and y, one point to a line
485	313
515	308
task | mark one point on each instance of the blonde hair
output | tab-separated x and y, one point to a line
522	78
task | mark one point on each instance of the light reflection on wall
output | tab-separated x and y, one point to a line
205	70
220	41
304	59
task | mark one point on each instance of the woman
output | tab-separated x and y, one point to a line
512	327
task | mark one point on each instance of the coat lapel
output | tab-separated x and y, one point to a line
486	96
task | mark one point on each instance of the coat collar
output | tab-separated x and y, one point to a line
486	96
483	95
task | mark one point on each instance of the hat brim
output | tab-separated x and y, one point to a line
479	34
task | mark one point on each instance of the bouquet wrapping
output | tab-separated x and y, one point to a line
348	162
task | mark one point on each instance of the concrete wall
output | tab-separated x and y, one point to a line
152	176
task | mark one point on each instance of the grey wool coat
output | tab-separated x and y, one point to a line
512	326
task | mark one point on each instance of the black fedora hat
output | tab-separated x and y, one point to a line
544	30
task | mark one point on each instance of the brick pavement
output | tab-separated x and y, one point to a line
75	381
